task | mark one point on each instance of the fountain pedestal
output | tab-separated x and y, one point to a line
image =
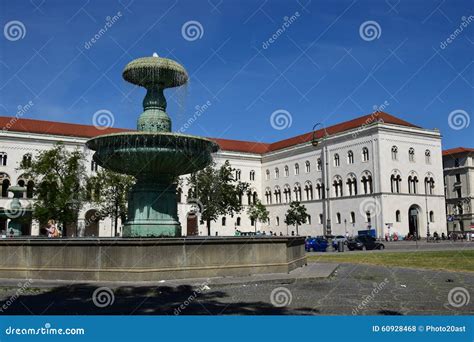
152	210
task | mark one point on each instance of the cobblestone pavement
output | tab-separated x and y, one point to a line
353	289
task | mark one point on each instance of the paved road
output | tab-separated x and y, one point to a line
411	246
352	289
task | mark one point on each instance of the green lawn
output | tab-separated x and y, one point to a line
456	260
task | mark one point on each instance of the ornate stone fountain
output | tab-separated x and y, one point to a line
153	155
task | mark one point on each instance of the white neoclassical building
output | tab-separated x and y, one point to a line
373	172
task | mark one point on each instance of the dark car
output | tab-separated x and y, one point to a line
316	244
364	242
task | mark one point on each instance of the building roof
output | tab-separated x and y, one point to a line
87	131
457	150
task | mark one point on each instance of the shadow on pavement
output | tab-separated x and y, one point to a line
141	300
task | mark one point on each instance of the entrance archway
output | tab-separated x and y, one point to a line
414	215
192	224
92	223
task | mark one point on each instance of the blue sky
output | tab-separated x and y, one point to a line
320	69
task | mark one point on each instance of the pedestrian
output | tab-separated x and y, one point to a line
52	229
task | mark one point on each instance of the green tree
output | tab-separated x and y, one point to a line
296	215
109	190
59	176
257	212
216	192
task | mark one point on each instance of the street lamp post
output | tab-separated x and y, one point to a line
326	204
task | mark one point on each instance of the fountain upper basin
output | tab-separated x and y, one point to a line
147	154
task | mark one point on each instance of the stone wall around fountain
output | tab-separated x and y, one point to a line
148	259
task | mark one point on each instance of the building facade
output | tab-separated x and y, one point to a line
459	188
373	172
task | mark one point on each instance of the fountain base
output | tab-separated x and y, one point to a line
152	210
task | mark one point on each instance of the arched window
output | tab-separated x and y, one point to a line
179	193
337	161
238	174
320	190
27	160
287	193
252	175
427	157
3	158
267	174
319	164
338	217
268	195
394	153
190	194
277	194
308	219
297	169
297	191
277	221
337	184
411	154
308	188
431	216
350	157
429	185
237	222
254	197
365	154
353	217
397	216
320	221
223	221
368	218
395	182
351	185
412	184
366	181
307	166
277	173
5	182
287	171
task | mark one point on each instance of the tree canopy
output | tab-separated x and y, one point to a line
216	192
59	176
296	215
109	190
257	212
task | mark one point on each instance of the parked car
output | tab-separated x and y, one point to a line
316	244
336	240
364	242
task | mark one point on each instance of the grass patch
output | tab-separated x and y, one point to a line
460	260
